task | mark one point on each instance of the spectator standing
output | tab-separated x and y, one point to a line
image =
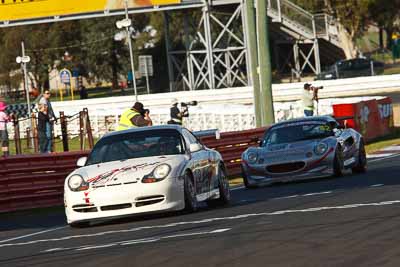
83	92
45	100
43	121
4	118
136	116
309	95
176	114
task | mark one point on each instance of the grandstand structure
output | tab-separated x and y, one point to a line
213	53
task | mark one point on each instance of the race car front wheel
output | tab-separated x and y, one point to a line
223	187
338	163
361	166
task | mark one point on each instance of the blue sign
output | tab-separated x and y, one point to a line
65	76
130	76
75	72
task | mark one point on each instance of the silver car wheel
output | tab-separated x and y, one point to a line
190	193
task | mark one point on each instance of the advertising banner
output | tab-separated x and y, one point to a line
32	9
372	118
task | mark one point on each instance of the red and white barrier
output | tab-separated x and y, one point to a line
372	118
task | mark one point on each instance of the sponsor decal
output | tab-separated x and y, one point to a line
364	115
385	110
103	178
298	124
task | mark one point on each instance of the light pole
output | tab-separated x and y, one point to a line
23	61
126	23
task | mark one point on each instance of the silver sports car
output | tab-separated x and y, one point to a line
303	148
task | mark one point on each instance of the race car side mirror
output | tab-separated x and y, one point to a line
81	162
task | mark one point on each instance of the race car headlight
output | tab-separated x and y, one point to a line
161	171
321	148
252	157
158	174
77	183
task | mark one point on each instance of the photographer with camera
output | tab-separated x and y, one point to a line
136	116
310	93
178	115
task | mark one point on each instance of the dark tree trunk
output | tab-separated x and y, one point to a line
389	41
381	44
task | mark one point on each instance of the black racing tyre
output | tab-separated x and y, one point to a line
79	224
361	166
338	163
246	181
191	203
224	192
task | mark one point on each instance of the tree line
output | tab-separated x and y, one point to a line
356	15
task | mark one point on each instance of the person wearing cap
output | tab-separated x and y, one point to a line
4	118
45	100
308	97
136	116
176	114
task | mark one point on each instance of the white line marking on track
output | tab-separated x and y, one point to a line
292	196
208	220
377	185
317	193
138	241
380	155
33	234
380	159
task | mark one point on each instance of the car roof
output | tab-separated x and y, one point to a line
148	128
305	119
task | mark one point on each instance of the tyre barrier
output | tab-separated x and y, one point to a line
37	181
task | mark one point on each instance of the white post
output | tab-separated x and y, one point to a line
130	51
147	75
27	90
372	67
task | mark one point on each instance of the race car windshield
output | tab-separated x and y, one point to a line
295	133
147	143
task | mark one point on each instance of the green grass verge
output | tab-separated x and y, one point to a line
382	142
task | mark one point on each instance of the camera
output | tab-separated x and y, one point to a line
145	111
191	103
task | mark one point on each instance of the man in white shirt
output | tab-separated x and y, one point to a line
310	94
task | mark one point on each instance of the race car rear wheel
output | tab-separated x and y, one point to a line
338	163
361	166
224	192
190	193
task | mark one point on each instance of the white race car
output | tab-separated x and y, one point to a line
144	170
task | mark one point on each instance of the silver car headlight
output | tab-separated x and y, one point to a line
320	148
77	183
158	174
252	157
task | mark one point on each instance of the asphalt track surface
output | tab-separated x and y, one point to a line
349	221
